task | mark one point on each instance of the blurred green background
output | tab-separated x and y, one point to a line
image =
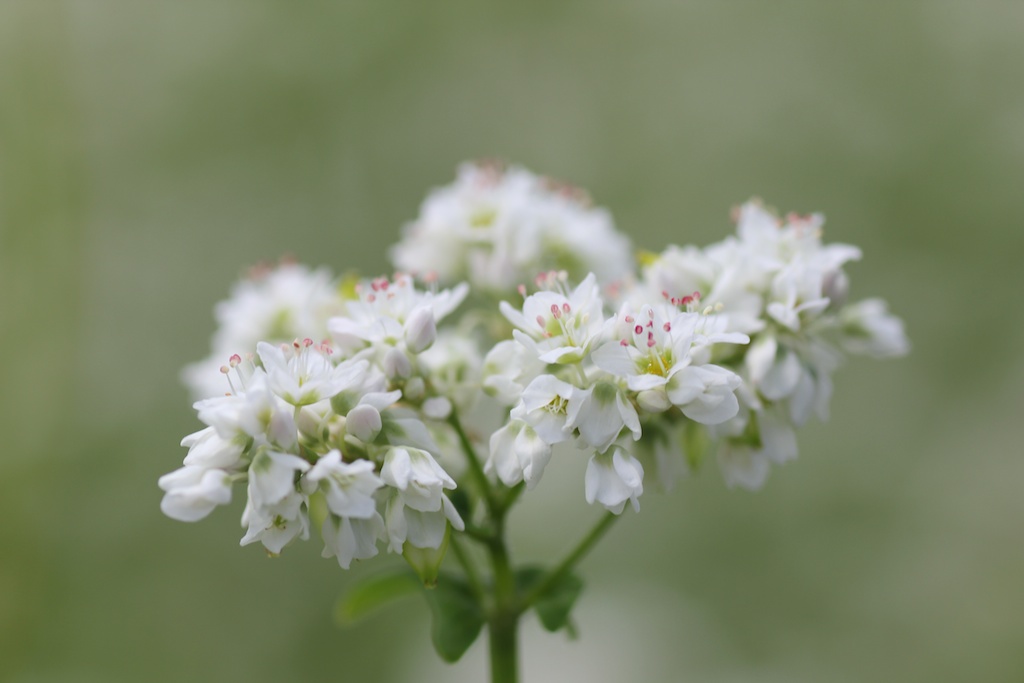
150	151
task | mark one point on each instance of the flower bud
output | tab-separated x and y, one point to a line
653	400
420	330
437	408
363	422
396	364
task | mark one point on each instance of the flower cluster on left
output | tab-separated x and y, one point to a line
329	429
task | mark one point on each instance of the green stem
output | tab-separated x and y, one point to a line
476	470
570	561
468	566
503	625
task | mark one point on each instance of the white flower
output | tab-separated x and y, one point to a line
746	459
419	528
272	477
868	328
349	486
391	311
499	227
306	374
508	367
559	326
613	478
603	414
418	511
417	476
550	406
656	353
207	449
352	539
276	305
517	454
192	492
277	525
254	412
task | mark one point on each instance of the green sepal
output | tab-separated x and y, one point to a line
457	617
555	604
373	593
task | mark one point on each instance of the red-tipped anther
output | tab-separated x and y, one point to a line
555	312
696	296
650	340
623	342
540	321
650	323
522	290
664	294
224	369
686	300
566	308
667	327
295	344
630	319
638	330
307	342
234	360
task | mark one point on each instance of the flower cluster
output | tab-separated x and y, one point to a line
577	373
497	227
337	422
781	285
721	351
274	303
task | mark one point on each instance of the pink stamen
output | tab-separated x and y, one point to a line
638	330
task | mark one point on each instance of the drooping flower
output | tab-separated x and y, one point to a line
613	478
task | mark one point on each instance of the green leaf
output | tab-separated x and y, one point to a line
457	617
554	605
373	593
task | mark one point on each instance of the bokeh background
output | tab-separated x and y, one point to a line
150	151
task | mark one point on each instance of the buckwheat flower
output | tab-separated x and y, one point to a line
193	492
274	304
389	311
452	366
550	406
347	538
559	326
517	453
613	478
206	448
302	373
349	487
277	525
417	511
498	227
760	438
655	354
419	528
603	412
419	478
272	476
253	411
508	368
868	328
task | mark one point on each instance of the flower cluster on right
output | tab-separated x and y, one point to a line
520	324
